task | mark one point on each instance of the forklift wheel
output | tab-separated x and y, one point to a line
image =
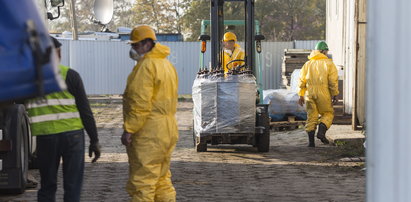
16	129
201	147
263	140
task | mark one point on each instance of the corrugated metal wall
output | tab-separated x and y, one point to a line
65	52
185	57
105	65
272	59
310	44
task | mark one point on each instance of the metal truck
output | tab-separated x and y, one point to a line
28	69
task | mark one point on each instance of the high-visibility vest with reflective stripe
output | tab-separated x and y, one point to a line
57	114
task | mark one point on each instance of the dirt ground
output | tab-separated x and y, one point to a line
289	172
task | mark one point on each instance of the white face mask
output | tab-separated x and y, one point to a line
134	55
228	51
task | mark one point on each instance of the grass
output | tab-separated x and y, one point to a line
185	98
349	148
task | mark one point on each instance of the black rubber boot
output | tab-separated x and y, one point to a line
311	142
322	129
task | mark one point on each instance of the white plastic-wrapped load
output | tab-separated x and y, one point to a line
295	80
203	94
224	104
283	103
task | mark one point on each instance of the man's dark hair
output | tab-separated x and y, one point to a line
56	43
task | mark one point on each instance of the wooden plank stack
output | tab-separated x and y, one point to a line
293	59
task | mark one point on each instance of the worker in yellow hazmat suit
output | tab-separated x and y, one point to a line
232	51
318	90
150	128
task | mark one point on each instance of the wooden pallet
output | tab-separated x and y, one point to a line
296	51
296	60
293	59
290	124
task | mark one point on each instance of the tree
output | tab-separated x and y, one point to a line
179	7
288	20
281	20
191	20
63	22
122	14
163	15
85	17
200	10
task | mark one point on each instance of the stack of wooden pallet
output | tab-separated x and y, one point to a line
290	124
293	59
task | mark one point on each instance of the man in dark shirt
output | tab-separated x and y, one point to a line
58	124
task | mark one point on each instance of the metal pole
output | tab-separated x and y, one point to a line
73	20
250	35
217	31
246	34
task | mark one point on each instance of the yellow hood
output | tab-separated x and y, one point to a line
317	55
159	51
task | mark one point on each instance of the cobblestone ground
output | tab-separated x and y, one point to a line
289	172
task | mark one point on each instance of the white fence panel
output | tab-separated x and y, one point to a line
388	101
309	44
185	57
105	65
272	54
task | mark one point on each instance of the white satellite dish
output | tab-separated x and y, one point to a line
103	11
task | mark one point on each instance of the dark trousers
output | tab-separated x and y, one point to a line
68	146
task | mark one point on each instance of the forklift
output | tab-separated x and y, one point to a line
228	106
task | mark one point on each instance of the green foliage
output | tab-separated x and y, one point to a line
191	20
163	15
340	143
85	16
281	20
200	10
349	148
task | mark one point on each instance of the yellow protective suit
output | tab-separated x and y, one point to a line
237	54
149	108
318	83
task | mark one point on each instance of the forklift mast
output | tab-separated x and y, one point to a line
230	96
217	33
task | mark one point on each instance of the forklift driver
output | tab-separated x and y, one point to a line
232	51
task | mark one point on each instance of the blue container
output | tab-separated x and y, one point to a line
17	67
169	37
